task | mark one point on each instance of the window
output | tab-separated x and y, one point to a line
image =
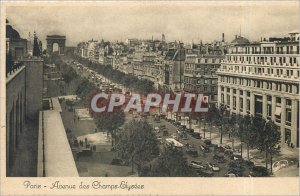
248	106
205	89
234	102
198	81
228	99
288	116
212	89
205	81
269	110
222	98
241	104
278	100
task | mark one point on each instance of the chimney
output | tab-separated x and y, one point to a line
223	37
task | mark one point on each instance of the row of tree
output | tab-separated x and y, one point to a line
254	131
129	81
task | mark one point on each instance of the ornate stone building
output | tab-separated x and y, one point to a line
262	78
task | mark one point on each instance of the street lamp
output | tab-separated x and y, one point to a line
204	128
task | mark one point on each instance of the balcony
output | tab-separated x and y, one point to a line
263	76
13	71
266	52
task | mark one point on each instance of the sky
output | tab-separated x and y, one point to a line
188	21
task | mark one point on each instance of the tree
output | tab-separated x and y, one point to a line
222	116
268	137
171	163
110	122
36	49
84	89
248	132
137	143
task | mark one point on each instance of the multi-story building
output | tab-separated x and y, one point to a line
174	68
200	75
24	88
262	78
91	49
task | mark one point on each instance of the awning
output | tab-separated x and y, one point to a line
278	111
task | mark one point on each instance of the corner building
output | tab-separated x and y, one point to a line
262	79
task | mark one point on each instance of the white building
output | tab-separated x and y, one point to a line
262	78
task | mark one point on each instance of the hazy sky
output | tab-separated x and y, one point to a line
189	21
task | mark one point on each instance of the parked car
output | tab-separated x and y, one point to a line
205	173
184	137
259	171
157	130
176	123
230	175
219	158
119	162
207	142
162	126
237	157
196	135
190	131
162	116
192	152
228	153
204	148
165	133
213	167
250	164
235	168
182	127
174	136
197	165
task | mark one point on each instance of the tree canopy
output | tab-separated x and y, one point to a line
137	142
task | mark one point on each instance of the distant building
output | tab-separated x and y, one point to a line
200	75
174	73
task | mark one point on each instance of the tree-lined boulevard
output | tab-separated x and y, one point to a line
141	141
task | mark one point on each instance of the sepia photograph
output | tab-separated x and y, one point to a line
191	90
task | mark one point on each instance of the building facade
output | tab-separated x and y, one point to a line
24	89
200	75
262	78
